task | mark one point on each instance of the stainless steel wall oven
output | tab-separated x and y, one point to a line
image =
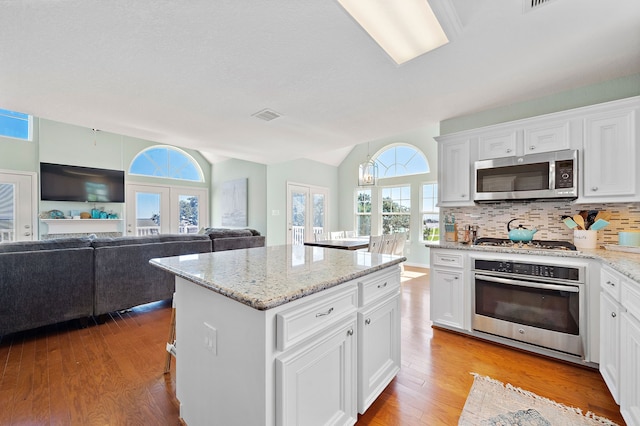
539	304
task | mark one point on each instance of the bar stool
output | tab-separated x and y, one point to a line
171	342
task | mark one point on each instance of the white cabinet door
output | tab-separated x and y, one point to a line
447	297
378	350
455	177
610	343
610	157
497	145
316	384
630	369
546	137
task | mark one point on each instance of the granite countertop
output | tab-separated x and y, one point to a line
266	277
626	263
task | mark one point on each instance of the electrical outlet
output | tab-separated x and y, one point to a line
211	338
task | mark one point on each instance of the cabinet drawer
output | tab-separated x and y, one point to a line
630	298
371	287
298	323
448	259
610	282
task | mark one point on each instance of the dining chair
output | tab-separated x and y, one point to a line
387	244
321	236
375	242
337	235
350	234
398	244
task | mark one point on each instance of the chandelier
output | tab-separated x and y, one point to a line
368	172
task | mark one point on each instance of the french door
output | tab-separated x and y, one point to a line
17	206
306	212
154	209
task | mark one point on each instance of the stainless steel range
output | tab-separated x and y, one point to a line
531	245
542	304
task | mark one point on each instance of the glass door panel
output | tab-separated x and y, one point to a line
7	212
306	213
148	214
319	208
189	210
16	207
298	215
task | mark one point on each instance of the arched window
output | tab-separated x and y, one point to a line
400	160
166	162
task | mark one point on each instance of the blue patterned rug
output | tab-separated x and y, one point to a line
492	403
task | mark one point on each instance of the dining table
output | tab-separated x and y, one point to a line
343	243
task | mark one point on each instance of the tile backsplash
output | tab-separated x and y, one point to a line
545	216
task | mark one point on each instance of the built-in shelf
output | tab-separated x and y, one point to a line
81	226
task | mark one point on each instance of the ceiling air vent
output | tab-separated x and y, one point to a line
266	115
530	5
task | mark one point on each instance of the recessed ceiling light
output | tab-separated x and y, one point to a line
405	29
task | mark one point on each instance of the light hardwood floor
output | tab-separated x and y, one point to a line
112	373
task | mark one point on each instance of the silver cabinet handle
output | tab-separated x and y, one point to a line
26	234
367	321
594	189
322	314
508	150
382	285
350	332
612	284
613	314
532	147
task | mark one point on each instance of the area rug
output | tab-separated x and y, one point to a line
492	403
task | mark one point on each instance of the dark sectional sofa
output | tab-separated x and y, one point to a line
232	239
45	282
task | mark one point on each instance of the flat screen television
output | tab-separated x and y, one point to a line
59	182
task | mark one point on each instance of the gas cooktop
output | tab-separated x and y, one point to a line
531	245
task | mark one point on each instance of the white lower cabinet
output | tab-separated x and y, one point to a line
300	363
447	294
630	352
447	301
378	349
316	383
326	374
610	343
620	341
630	369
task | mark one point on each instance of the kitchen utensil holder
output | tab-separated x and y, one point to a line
585	239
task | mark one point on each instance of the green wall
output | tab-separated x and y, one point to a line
606	91
256	175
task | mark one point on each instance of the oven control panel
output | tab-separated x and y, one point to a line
529	269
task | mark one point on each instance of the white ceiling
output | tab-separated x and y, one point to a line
192	73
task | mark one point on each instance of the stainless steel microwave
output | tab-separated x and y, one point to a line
552	175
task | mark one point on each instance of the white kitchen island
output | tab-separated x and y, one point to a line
284	335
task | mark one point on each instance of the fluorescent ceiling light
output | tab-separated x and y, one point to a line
405	29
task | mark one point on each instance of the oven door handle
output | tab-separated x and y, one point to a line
569	288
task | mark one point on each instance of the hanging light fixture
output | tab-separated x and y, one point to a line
368	171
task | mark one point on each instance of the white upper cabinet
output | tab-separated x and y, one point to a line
610	154
521	138
497	144
455	162
546	137
606	136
